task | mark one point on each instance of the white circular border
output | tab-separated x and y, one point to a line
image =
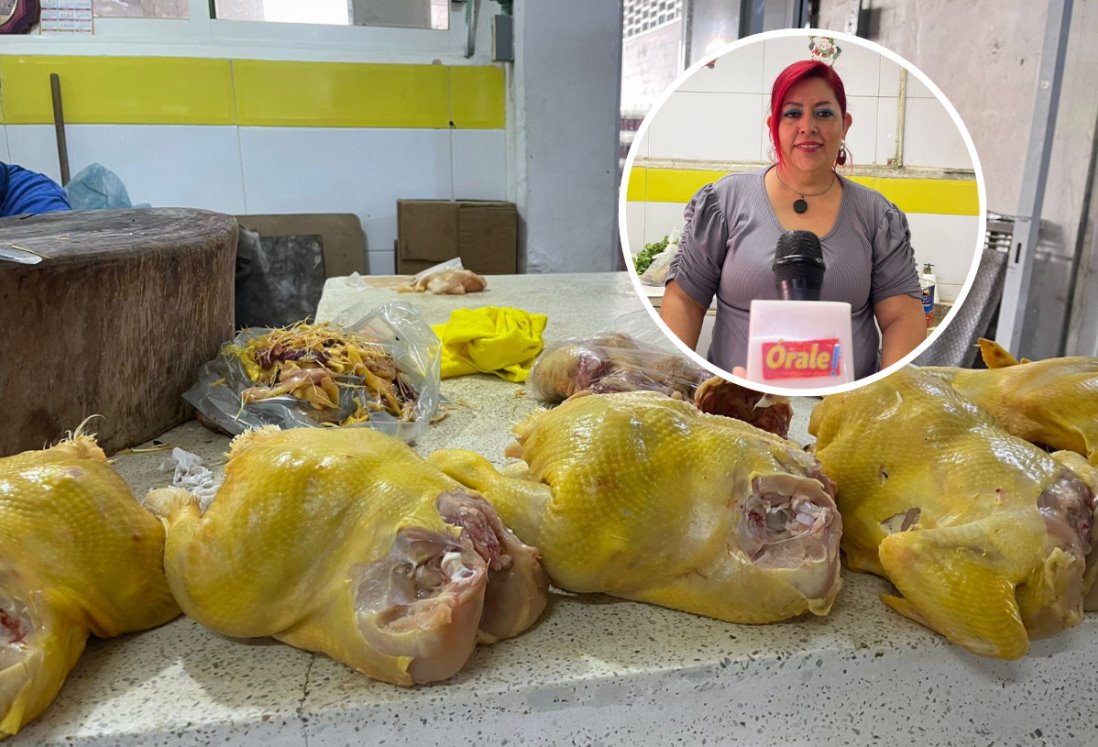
802	33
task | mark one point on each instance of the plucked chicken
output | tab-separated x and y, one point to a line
610	362
78	555
1052	402
983	534
348	543
642	496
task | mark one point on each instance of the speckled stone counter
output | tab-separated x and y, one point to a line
594	670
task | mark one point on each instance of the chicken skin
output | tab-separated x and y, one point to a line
983	534
1052	402
642	496
344	541
78	555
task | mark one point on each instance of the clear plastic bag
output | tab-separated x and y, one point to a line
397	327
656	273
610	362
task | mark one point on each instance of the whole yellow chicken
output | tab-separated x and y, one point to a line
642	496
78	555
983	534
344	541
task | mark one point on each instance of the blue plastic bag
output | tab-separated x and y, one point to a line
97	188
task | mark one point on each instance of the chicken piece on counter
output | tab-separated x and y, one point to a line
611	363
983	534
770	412
446	282
348	543
1053	402
78	555
644	497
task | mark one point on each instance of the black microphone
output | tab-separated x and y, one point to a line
798	266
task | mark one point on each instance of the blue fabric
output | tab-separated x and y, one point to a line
23	191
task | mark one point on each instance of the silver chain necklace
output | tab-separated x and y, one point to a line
800	205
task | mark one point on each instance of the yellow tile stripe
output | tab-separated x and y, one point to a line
118	90
940	196
198	91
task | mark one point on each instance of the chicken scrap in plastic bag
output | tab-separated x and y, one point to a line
382	371
614	362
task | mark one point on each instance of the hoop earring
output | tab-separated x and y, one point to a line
841	160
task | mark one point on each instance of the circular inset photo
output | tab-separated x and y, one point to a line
803	211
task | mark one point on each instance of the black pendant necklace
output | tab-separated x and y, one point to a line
800	205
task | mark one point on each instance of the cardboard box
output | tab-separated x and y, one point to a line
483	233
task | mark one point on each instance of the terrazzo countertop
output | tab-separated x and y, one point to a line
594	670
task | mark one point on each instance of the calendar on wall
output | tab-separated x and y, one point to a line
66	17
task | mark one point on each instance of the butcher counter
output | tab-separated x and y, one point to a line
594	670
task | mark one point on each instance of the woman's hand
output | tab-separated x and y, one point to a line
903	326
682	314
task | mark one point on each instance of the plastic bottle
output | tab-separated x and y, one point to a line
928	283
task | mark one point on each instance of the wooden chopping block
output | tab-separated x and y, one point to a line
116	320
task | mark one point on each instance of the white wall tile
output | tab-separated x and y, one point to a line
660	218
860	69
480	164
640	143
34	147
634	226
947	292
361	171
916	89
5	155
861	138
778	54
739	71
949	242
708	126
886	130
890	78
931	138
162	165
381	262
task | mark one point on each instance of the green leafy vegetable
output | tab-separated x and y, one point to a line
644	258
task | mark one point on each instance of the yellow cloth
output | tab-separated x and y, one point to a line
491	339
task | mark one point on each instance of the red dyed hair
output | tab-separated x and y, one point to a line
790	77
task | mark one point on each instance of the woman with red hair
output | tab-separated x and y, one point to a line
733	225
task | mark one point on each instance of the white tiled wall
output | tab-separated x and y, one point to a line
949	242
659	219
480	164
280	169
708	126
930	137
719	114
165	166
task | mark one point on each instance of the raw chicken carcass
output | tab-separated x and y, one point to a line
346	542
642	496
610	363
78	555
447	282
1052	402
983	534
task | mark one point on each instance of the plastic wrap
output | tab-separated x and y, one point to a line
656	273
397	327
610	362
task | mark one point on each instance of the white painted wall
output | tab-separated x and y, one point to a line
566	97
